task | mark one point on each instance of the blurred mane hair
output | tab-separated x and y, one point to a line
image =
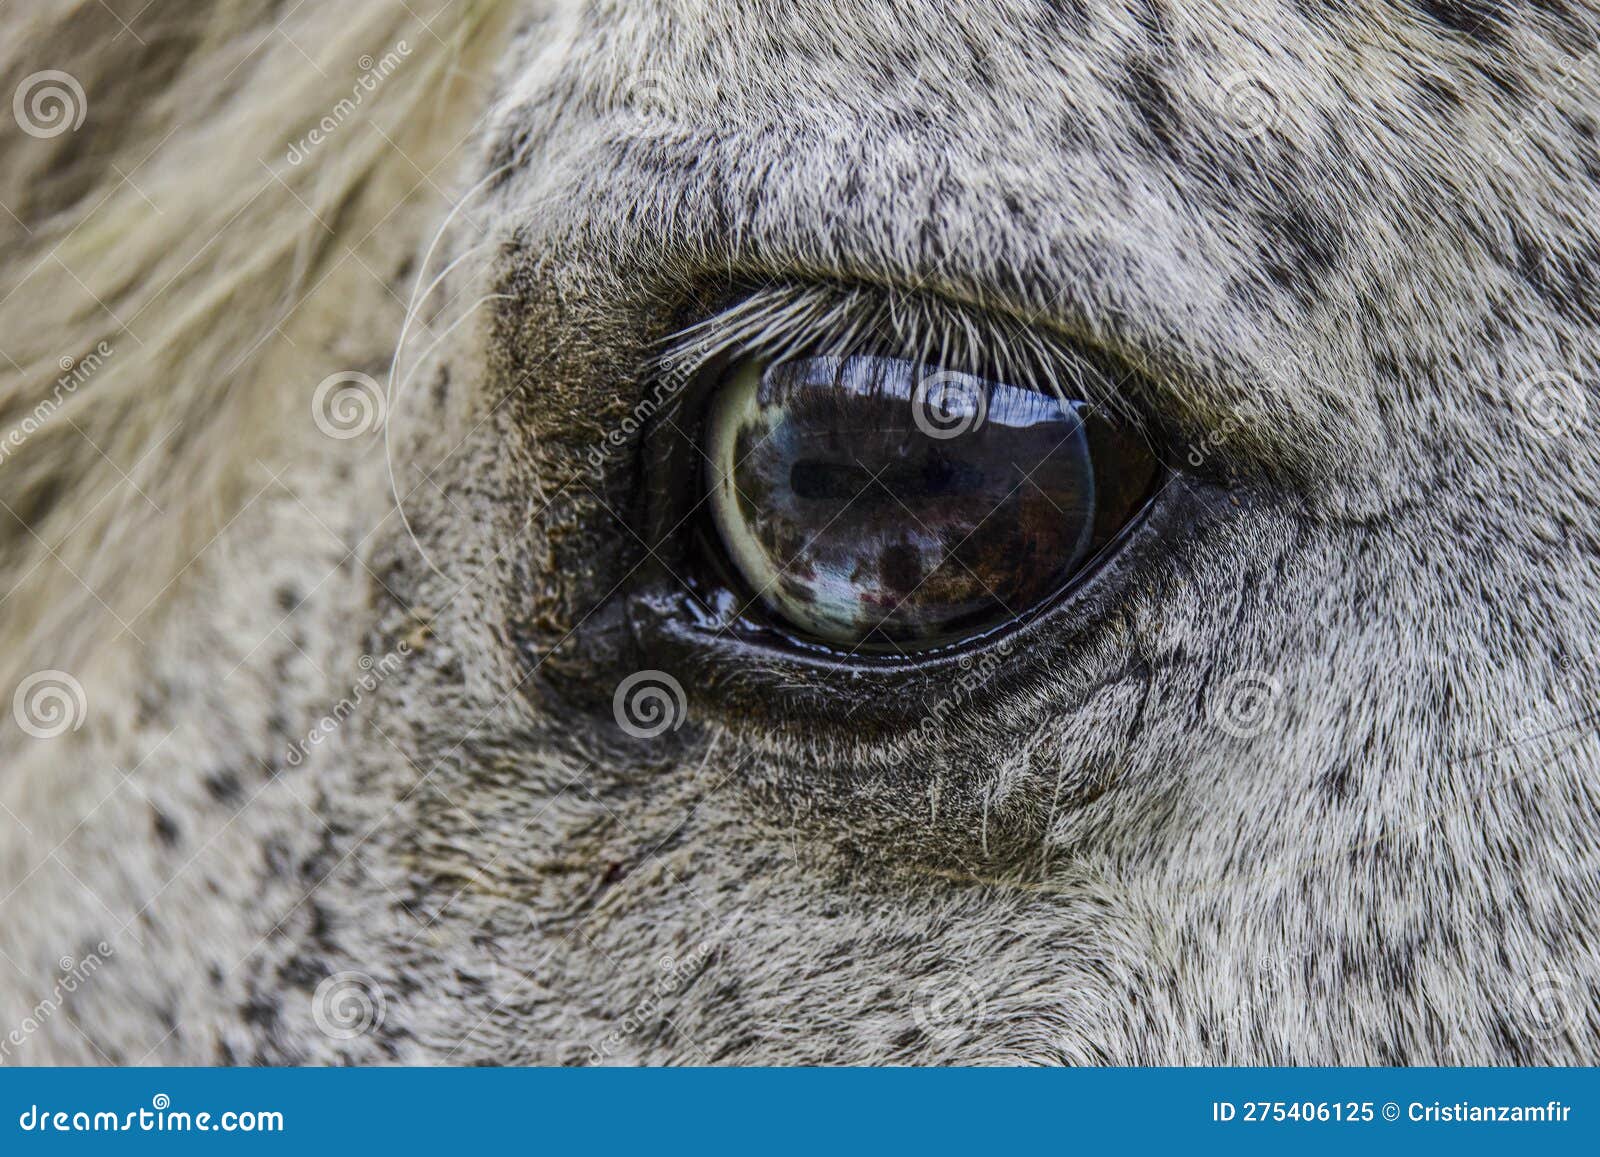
235	218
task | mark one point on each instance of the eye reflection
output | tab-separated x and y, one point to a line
875	504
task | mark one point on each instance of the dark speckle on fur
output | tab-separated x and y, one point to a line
224	786
1299	248
1438	93
165	828
1565	280
1162	122
1477	20
1071	16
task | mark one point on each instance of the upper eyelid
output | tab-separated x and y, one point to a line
777	322
1241	413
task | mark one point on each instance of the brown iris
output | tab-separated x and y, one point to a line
878	504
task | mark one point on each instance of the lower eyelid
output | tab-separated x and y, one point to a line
747	677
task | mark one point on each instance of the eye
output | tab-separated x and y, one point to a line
879	504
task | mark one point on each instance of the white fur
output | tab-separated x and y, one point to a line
1348	315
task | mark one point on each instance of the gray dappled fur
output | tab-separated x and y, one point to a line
1318	786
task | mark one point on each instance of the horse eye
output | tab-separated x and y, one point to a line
876	504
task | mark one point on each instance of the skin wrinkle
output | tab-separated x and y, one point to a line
1338	306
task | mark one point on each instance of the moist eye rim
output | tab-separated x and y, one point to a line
740	673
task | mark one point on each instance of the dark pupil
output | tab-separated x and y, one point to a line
874	502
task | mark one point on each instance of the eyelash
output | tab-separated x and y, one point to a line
777	322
